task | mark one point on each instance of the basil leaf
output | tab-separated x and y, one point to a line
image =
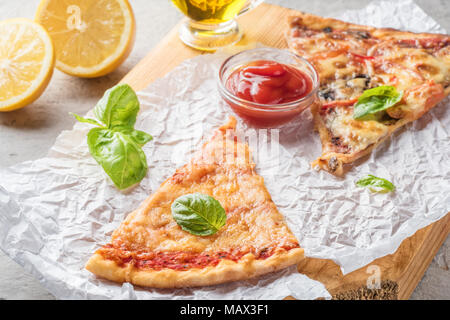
119	155
376	100
199	214
373	182
85	120
118	107
116	145
140	137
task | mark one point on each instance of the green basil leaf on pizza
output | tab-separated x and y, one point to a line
199	214
375	100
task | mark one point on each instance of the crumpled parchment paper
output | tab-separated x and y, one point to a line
56	211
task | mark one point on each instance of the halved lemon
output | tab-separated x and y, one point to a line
26	62
91	37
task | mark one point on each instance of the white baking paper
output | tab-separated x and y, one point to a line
56	211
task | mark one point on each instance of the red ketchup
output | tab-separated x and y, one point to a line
270	84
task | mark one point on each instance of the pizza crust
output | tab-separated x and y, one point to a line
247	267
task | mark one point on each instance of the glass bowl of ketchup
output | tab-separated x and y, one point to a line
268	87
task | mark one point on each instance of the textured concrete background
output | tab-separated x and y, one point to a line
27	134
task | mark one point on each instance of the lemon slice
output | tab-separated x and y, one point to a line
26	62
91	37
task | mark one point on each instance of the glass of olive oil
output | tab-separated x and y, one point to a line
211	24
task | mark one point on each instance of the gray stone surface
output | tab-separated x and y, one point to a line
27	134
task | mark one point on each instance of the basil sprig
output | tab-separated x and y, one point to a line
376	100
199	214
376	184
115	144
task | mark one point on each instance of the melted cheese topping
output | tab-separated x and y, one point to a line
339	67
310	48
224	170
358	135
413	66
348	89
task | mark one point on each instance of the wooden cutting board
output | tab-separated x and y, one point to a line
400	272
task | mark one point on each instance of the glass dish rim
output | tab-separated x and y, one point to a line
269	107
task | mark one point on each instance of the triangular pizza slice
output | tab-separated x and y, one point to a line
150	249
352	62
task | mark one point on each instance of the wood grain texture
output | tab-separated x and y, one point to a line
404	268
266	25
401	271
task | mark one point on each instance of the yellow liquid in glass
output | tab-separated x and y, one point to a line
210	11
